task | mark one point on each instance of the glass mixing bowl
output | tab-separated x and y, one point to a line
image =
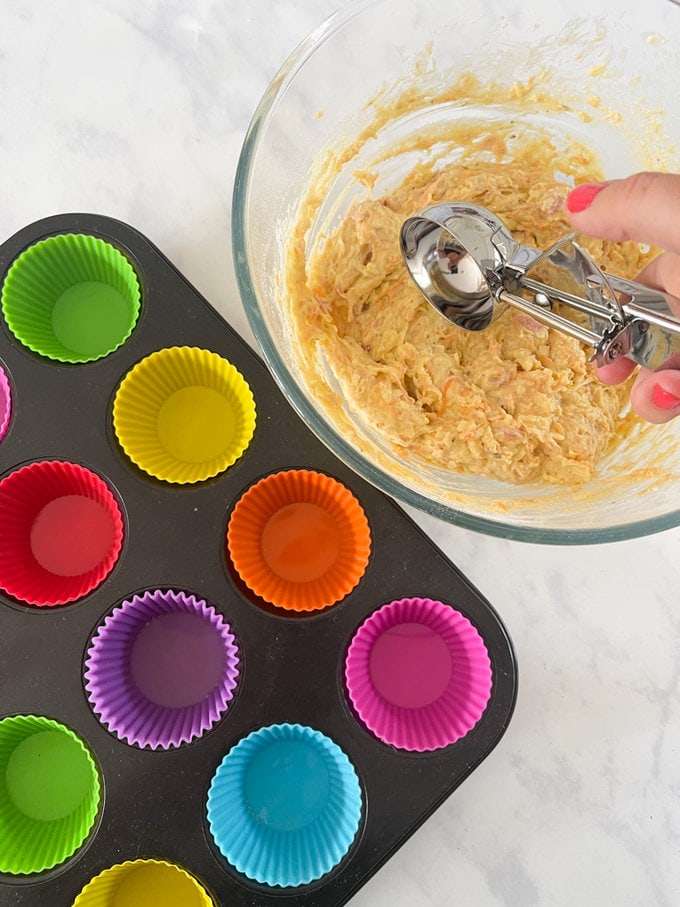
613	76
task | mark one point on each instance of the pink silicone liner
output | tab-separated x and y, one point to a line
115	696
5	403
467	682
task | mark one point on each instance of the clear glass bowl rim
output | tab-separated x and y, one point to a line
376	476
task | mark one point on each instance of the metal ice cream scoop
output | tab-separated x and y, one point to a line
470	268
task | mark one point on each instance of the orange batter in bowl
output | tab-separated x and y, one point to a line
518	402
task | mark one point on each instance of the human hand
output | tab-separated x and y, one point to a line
645	208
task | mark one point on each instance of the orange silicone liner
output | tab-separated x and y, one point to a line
184	414
299	539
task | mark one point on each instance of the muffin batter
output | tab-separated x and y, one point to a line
518	402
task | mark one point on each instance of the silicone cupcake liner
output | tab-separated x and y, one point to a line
162	669
5	403
299	539
71	297
49	794
144	883
284	806
184	414
418	674
61	532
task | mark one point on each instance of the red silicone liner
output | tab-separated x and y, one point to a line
61	532
418	674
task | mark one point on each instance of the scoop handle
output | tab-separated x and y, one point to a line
651	336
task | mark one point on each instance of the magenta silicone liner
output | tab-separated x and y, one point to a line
115	693
460	652
5	403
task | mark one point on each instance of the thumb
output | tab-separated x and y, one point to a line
644	208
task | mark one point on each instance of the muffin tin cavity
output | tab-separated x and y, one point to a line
144	882
184	415
284	805
299	539
61	532
236	716
49	793
418	674
72	298
162	669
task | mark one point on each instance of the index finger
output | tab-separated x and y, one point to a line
644	208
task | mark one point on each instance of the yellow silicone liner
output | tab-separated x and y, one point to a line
184	414
144	882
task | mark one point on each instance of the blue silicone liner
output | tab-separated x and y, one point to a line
284	805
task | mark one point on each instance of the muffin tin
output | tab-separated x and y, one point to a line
233	672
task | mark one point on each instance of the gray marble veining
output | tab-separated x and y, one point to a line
138	110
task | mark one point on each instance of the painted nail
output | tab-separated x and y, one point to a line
663	398
581	197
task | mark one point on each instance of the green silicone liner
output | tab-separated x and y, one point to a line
50	794
71	297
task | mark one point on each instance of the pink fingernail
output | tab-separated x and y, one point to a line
663	398
581	197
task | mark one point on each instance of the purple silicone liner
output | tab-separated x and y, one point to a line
461	703
5	403
115	696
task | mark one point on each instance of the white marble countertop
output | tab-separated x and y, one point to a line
137	109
